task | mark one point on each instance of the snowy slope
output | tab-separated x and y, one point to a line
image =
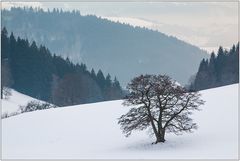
91	131
15	100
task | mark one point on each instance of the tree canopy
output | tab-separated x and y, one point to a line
160	104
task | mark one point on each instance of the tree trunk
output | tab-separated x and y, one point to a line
161	136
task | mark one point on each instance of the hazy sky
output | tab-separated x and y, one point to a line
205	24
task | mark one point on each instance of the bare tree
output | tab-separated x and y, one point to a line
6	79
160	103
75	89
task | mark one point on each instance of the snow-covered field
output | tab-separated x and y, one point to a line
91	131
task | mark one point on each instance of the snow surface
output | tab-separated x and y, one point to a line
13	103
91	131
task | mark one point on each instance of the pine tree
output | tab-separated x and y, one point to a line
212	70
93	74
108	81
4	44
100	79
116	83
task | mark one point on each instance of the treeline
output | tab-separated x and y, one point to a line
34	71
222	69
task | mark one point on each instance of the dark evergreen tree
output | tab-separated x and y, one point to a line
212	70
222	69
93	74
5	44
116	83
100	79
117	90
108	81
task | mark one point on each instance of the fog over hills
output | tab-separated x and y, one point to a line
119	49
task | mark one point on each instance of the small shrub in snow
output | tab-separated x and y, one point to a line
6	115
36	105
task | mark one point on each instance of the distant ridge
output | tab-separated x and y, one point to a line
119	49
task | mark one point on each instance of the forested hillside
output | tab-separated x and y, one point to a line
102	44
34	71
222	69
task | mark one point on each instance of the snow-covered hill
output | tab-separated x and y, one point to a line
91	131
12	104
